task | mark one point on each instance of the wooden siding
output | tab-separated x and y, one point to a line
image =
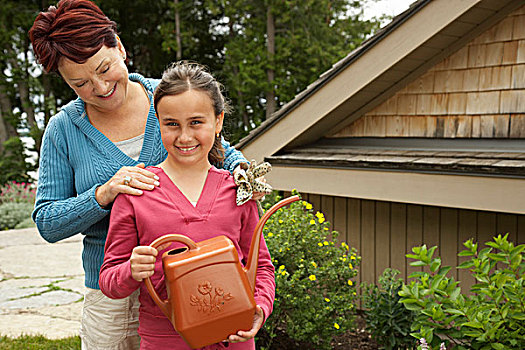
477	92
383	232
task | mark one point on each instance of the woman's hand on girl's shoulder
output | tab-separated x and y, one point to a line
128	179
242	336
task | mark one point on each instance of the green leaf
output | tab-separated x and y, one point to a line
465	253
493	245
436	263
455	312
473	324
497	346
518	316
444	270
466	264
455	293
413	307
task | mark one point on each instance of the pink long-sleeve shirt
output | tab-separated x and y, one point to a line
139	220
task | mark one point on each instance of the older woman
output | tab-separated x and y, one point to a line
95	148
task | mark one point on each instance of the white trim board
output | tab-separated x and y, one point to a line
456	191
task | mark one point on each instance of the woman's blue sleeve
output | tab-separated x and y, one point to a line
232	157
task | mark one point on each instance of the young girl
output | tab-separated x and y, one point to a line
194	198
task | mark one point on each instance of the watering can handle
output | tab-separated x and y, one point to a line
164	304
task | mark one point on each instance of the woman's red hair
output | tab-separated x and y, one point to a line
75	29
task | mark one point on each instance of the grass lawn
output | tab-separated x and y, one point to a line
39	342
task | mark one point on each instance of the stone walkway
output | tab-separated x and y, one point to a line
41	285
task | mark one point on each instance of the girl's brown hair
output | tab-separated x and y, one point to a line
75	29
183	76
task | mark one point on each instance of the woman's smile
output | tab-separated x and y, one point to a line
110	93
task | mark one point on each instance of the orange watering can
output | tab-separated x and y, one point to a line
210	294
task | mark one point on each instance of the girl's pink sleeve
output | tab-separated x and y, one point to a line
115	279
265	278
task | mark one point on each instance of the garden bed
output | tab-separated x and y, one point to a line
356	339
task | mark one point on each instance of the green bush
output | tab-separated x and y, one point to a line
387	320
315	294
11	214
13	162
492	316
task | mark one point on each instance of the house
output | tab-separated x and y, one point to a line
417	136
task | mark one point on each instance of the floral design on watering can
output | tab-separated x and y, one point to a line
212	298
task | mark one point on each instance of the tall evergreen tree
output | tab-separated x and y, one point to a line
277	48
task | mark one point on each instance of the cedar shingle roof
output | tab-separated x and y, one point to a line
482	157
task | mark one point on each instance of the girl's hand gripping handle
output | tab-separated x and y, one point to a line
164	305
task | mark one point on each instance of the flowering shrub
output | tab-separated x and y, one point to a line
16	204
17	192
315	291
492	316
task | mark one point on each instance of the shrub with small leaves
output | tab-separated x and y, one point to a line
387	320
315	292
11	214
16	205
492	316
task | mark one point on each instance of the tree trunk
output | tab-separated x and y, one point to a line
46	84
6	129
240	100
270	73
177	31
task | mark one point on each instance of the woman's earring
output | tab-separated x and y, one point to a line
217	135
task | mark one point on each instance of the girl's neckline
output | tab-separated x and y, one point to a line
179	190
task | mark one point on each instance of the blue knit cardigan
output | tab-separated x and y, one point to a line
75	159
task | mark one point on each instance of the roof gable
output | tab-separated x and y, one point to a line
477	92
415	41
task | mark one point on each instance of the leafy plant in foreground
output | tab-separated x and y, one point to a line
492	316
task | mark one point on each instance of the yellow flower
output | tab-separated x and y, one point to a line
350	266
325	228
270	234
321	220
344	245
319	215
325	243
320	244
307	205
352	257
280	221
312	277
350	283
282	267
354	293
336	326
312	222
327	300
314	264
283	272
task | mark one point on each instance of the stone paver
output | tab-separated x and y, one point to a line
41	285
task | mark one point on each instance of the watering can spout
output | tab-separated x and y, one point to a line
253	257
